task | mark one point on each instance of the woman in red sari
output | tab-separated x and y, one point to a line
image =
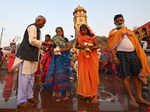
11	60
46	57
9	79
88	64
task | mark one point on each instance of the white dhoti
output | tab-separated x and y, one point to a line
25	86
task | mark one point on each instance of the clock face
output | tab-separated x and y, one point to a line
81	20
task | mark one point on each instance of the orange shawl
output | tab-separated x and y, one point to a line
114	39
88	75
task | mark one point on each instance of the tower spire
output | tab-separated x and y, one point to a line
80	17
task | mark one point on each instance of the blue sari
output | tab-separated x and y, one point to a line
59	71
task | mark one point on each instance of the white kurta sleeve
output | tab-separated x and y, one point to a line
32	31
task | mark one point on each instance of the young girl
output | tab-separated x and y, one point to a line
45	61
46	57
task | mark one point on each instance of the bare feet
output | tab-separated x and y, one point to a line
87	100
33	102
143	101
95	99
23	105
134	103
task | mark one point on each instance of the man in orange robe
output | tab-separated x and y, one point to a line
130	58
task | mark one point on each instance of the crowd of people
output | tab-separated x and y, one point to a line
55	60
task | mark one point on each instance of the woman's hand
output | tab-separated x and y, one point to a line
41	68
96	45
67	48
73	50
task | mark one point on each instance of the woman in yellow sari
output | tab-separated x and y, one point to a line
88	64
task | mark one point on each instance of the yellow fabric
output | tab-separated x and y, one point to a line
115	36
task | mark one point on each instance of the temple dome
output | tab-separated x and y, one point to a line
79	8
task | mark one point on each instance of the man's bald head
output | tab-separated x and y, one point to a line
40	21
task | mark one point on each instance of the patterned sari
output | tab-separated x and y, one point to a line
59	71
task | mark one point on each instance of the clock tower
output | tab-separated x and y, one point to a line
80	18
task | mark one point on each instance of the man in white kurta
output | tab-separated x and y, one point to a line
28	64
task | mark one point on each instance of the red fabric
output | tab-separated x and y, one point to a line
148	44
8	86
45	61
149	109
11	61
